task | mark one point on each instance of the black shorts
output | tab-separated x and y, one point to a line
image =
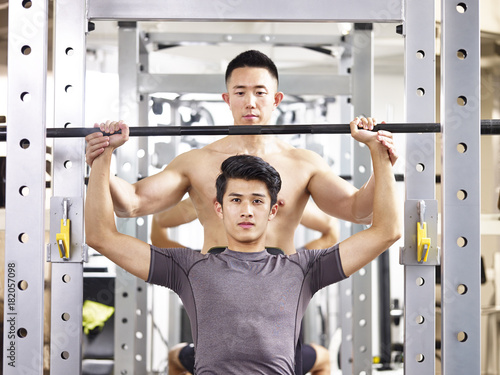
186	357
308	358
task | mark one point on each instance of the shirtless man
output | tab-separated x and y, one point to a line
252	95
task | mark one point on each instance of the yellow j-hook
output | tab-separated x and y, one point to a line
63	238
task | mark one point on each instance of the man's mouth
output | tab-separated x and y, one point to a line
245	225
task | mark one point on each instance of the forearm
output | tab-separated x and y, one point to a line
386	212
362	208
99	214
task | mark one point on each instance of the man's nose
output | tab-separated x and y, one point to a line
246	210
250	101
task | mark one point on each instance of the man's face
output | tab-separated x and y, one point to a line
246	210
252	96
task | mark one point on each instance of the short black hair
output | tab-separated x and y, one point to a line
249	168
252	59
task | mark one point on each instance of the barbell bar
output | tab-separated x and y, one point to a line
488	127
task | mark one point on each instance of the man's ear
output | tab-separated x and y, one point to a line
225	97
278	97
218	209
273	212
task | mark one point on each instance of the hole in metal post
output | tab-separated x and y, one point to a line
462	289
24	191
23	237
65	316
420	54
420	358
420	91
461	241
66	278
22	332
462	336
23	285
27	4
25	96
65	355
26	50
420	281
462	195
69	51
420	319
25	143
420	167
461	54
462	148
461	7
462	101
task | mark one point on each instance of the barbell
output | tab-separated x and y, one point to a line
488	127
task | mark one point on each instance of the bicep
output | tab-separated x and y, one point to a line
332	194
129	253
161	191
360	249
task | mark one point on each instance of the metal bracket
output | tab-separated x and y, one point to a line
421	217
66	228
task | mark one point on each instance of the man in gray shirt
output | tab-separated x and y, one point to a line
245	304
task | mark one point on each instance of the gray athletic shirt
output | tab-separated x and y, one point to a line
245	308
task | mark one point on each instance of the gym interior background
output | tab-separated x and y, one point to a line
102	102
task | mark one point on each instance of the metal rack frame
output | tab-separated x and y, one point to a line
24	253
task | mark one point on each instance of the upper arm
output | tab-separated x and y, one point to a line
332	194
164	189
128	252
362	248
182	213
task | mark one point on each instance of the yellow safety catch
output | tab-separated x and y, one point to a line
62	239
423	242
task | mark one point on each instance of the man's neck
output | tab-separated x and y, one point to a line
243	247
255	144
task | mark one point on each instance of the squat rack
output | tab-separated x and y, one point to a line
24	251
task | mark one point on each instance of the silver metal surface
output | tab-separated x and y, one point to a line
67	181
292	84
362	94
345	286
419	298
25	189
298	40
461	250
257	10
130	327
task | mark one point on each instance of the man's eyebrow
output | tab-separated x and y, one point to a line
236	87
253	194
259	195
